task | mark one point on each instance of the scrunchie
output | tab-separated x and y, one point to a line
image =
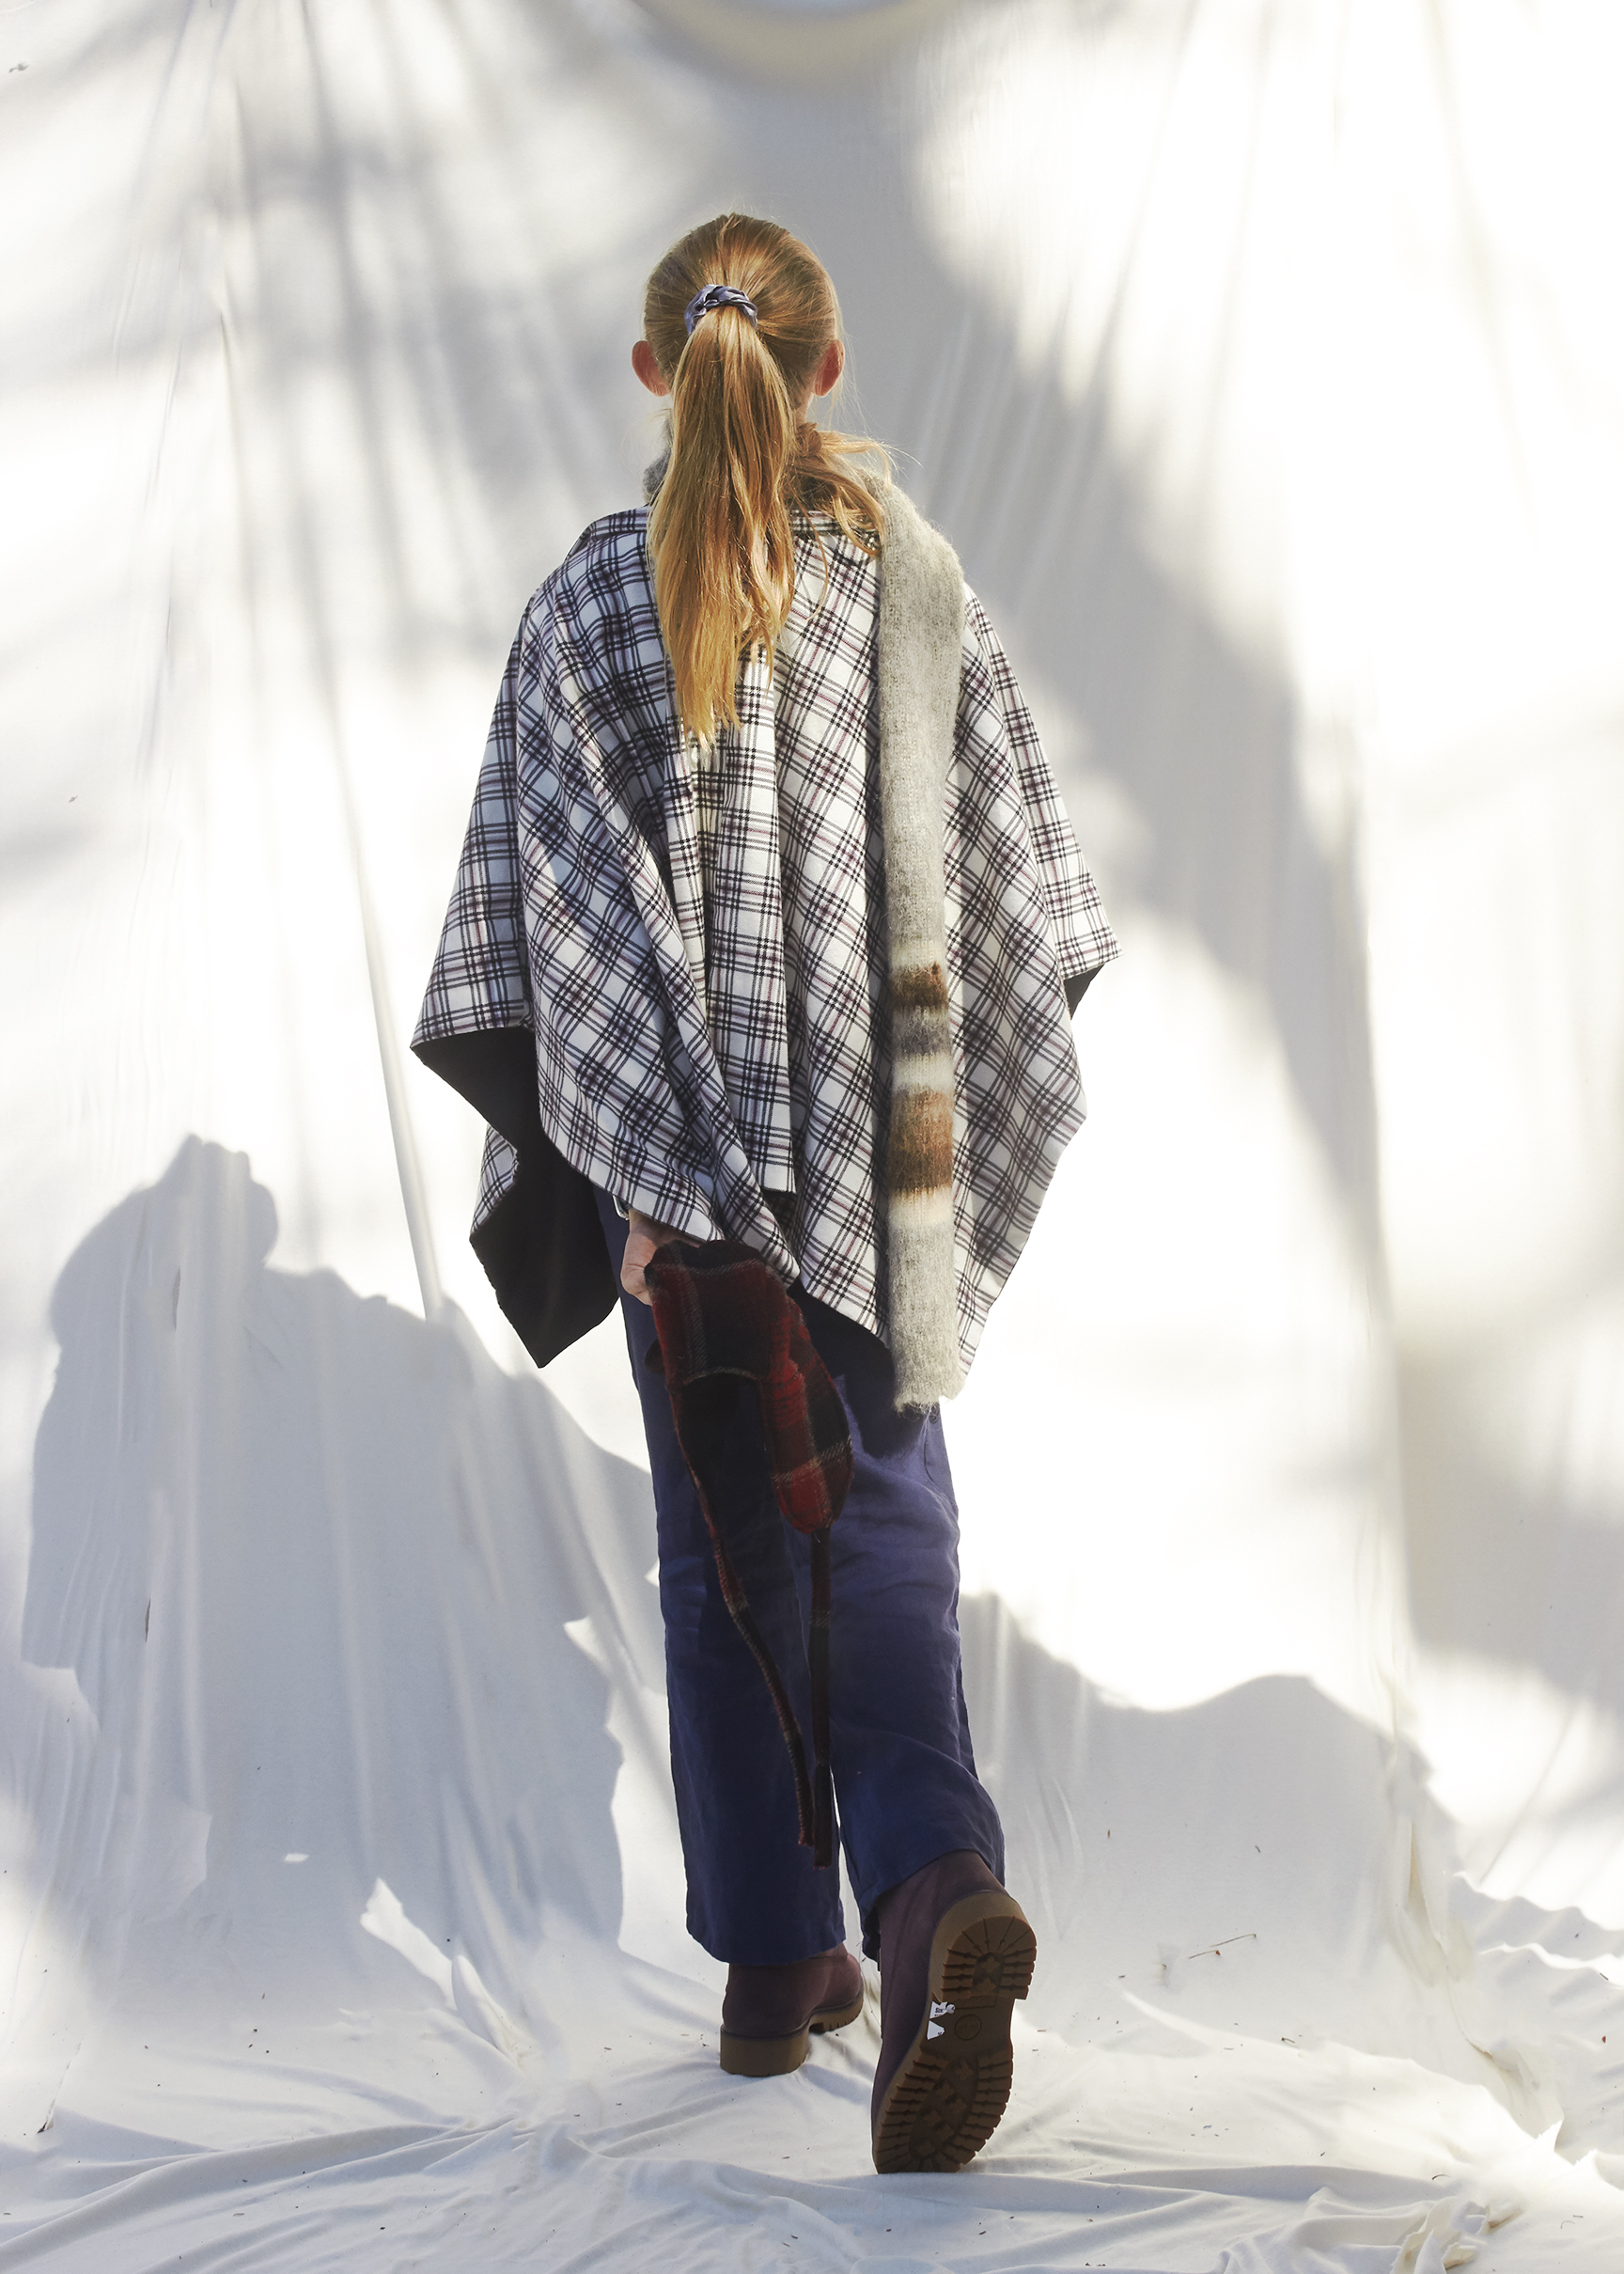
717	296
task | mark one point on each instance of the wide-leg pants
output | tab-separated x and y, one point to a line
905	1782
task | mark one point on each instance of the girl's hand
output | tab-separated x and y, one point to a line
641	1241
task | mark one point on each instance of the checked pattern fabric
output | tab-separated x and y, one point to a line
724	1319
696	938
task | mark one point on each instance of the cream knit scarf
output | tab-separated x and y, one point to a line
921	639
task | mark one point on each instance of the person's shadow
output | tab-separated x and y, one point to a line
311	1561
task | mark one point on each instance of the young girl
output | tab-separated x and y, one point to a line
767	929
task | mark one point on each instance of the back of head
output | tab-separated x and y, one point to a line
742	463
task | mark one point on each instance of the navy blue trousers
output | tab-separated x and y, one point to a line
905	1782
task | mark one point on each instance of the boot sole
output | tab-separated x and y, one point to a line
781	2056
944	2103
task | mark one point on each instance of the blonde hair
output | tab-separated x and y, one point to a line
741	462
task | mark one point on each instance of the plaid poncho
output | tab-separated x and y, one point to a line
663	969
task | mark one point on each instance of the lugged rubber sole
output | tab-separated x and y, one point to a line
781	2056
944	2103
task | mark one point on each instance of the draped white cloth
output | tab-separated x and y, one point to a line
1265	368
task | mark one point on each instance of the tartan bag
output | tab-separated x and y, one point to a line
723	1318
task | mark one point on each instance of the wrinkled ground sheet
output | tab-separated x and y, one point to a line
1253	362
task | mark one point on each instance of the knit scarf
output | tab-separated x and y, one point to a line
921	636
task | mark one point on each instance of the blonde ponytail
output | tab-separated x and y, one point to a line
742	464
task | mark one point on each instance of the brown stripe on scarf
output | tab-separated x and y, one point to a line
922	988
919	1157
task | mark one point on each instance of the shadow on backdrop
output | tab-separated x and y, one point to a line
311	1560
1512	1567
1200	736
461	406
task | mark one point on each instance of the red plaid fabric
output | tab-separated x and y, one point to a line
724	1319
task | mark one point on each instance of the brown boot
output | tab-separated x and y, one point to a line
768	2011
955	1954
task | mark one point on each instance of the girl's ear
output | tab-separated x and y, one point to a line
830	366
648	370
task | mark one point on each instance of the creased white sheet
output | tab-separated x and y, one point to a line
1262	367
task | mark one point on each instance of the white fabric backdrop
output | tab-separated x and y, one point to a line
1265	366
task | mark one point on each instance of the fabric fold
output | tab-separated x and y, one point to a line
723	854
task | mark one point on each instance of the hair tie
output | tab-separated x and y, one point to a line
717	296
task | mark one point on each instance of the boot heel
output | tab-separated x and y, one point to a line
945	2102
764	2056
988	1955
